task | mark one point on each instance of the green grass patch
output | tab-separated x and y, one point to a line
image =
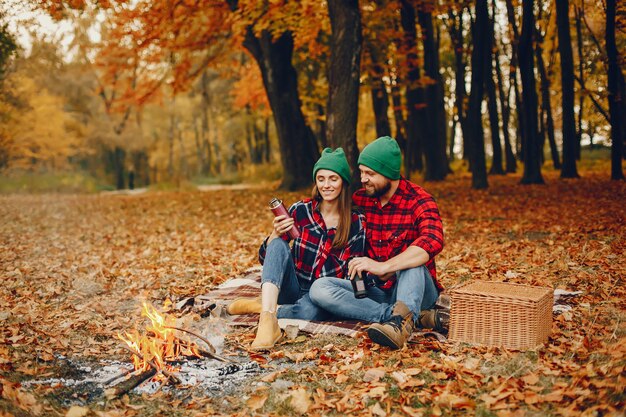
173	186
48	182
251	174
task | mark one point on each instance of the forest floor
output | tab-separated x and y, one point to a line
75	269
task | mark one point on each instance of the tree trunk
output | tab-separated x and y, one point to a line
266	140
532	144
398	115
505	108
380	98
452	139
513	77
199	147
321	126
343	78
296	140
581	76
205	136
117	158
509	156
548	120
481	55
416	122
435	146
567	86
170	145
622	94
616	99
492	105
456	34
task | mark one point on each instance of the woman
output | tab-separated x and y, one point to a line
330	234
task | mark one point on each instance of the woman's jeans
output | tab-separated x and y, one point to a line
415	288
293	299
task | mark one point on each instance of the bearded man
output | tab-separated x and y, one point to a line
403	234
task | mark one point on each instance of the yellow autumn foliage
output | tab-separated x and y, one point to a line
38	133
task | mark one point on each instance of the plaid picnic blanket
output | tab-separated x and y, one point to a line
249	286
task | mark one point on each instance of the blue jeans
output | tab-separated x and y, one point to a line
415	288
293	298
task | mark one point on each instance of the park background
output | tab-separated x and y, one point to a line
509	112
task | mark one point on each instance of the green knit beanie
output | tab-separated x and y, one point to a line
383	156
335	161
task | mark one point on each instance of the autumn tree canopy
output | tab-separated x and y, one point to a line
170	91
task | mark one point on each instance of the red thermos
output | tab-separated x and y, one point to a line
278	208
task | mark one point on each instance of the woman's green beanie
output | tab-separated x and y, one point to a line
335	161
383	156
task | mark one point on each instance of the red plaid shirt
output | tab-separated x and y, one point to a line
410	218
312	252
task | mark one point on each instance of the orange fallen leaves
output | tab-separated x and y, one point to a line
75	268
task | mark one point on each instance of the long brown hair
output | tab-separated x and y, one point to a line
345	214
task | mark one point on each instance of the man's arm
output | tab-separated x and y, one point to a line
412	257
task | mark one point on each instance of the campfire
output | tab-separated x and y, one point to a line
164	355
156	351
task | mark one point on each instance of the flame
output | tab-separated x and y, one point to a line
160	344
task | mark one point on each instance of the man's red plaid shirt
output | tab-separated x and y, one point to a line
410	218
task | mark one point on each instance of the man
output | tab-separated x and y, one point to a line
403	235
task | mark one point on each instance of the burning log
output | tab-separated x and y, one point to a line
160	345
129	384
116	377
171	377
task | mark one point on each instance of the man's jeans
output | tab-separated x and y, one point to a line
293	299
415	288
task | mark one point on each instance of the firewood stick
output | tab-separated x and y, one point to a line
128	384
203	352
116	377
193	334
165	372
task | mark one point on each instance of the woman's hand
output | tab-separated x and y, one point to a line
281	225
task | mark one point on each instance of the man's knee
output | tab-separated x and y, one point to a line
320	290
417	273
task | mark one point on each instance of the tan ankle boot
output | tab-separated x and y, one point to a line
244	306
268	332
395	331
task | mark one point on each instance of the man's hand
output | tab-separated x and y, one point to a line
363	264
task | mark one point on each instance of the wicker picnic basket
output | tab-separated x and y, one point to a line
501	314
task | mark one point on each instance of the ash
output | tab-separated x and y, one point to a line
79	382
208	376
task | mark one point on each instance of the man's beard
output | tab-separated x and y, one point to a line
378	192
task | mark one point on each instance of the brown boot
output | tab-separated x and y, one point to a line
395	331
434	319
244	306
268	333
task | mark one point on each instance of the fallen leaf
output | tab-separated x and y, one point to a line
256	401
412	412
400	377
77	411
530	379
377	410
300	400
373	375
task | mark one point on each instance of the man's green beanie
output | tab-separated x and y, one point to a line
335	161
383	156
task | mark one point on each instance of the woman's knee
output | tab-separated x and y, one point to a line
278	244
